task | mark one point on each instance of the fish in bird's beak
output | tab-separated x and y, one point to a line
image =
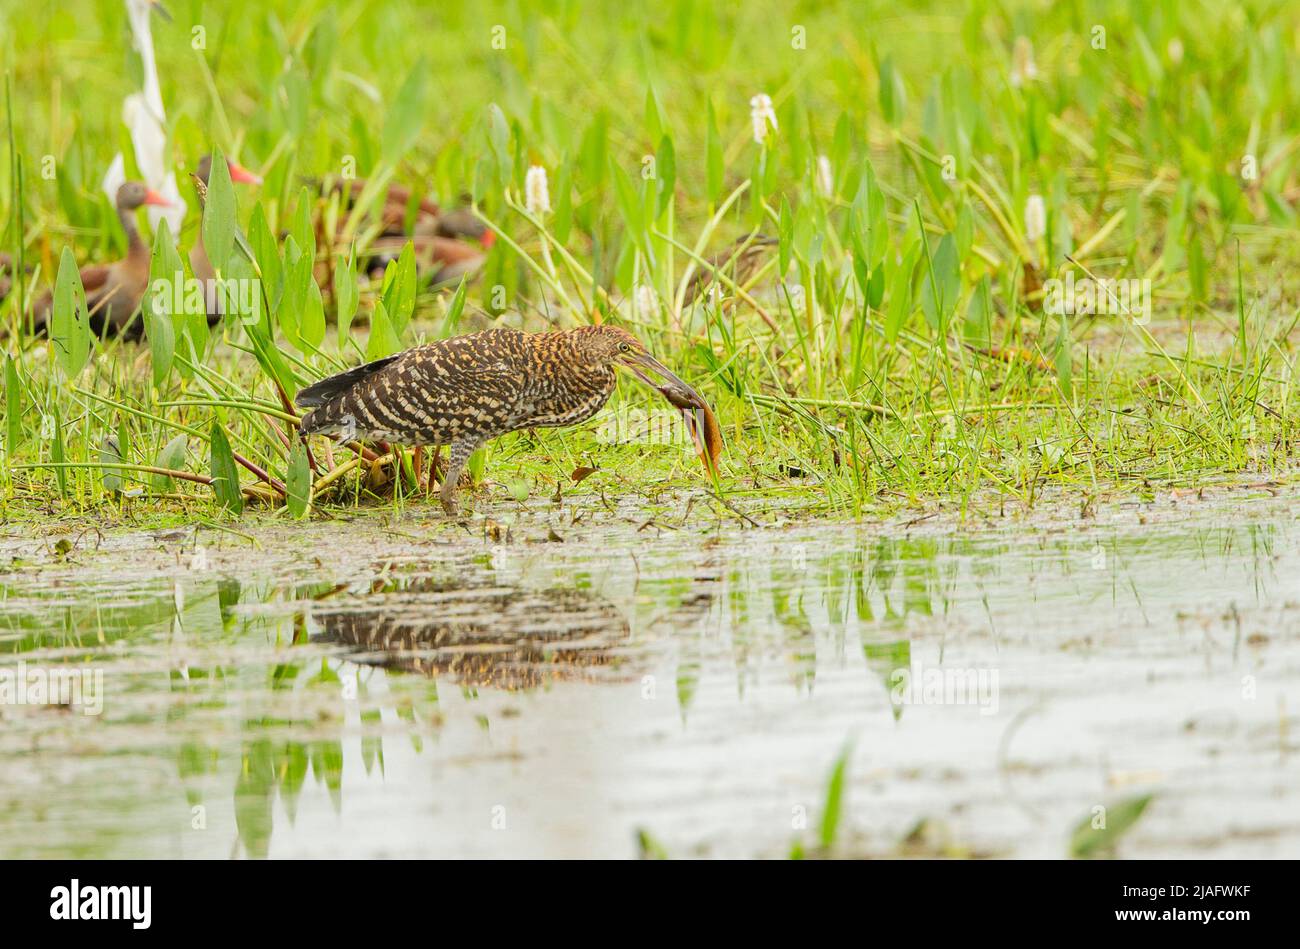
241	175
699	418
153	197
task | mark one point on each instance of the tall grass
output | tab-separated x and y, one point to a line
895	345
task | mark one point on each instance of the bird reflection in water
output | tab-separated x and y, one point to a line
507	637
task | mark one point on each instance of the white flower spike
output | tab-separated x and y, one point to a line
761	114
537	192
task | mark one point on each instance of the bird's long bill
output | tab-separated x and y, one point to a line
699	418
153	197
241	175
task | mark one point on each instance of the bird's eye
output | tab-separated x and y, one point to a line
624	347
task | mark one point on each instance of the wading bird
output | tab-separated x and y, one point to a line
463	391
114	291
146	120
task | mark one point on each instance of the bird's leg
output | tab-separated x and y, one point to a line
417	465
461	449
435	468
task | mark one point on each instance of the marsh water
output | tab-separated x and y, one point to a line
392	687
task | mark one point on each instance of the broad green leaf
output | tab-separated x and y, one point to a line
164	303
653	122
807	235
978	326
900	294
498	135
123	438
876	288
225	475
666	169
1175	246
297	278
69	326
594	150
383	341
893	97
877	223
345	295
172	457
111	454
453	311
267	254
400	280
162	346
629	203
304	228
219	215
406	114
313	318
941	284
299	480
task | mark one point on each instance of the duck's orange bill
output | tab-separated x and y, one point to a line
241	175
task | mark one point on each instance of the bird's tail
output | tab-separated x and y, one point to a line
329	415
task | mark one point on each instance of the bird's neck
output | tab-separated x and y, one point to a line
574	369
134	245
564	383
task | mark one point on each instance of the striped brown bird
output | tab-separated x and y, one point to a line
463	391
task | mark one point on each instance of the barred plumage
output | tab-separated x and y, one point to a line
466	390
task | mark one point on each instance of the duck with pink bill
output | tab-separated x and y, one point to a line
114	291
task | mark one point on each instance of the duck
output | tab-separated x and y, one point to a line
442	237
114	291
443	259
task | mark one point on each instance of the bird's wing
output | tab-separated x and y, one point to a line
93	278
466	383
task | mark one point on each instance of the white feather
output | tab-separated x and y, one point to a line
143	115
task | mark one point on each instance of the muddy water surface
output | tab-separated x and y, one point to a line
370	689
